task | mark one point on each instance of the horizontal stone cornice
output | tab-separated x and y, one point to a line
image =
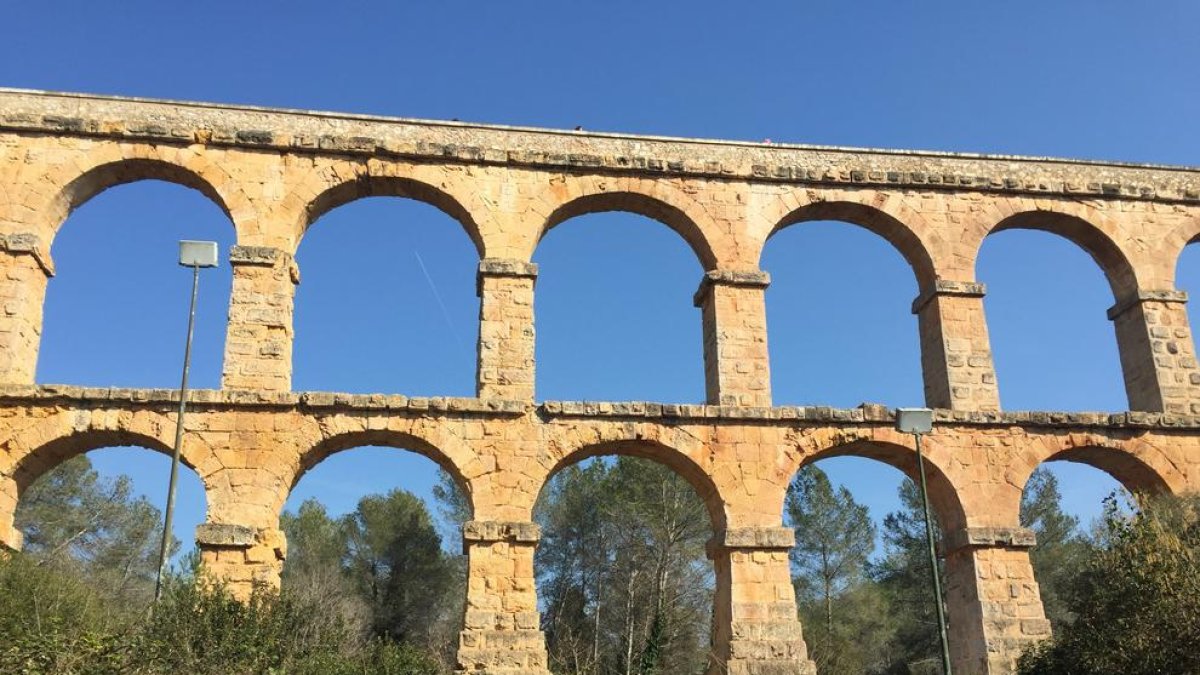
226	535
735	278
299	131
989	537
264	256
27	243
947	288
1146	295
504	267
751	539
496	531
321	403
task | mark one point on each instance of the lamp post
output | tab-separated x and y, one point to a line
919	421
193	254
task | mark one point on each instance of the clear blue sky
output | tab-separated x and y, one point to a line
1094	79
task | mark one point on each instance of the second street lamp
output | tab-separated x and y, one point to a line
193	254
918	422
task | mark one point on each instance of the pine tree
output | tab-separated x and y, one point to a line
1061	550
73	518
834	538
903	574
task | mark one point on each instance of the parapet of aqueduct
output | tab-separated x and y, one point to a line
273	172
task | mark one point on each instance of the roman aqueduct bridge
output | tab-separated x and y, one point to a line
274	172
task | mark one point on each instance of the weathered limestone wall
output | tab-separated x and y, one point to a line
274	173
250	449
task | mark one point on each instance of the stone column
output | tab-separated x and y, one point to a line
242	557
22	294
956	355
737	369
10	536
994	608
1158	357
506	334
501	631
258	342
756	626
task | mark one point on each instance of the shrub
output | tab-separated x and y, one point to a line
1137	601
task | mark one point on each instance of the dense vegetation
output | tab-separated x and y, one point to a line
625	584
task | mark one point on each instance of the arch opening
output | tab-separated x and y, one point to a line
860	567
372	523
1187	279
383	308
90	507
615	319
859	342
1064	501
1102	249
116	315
643	205
622	576
100	178
364	187
1049	354
900	236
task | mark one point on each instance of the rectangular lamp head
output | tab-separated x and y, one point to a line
914	420
198	253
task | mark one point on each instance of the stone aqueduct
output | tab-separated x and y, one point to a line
274	172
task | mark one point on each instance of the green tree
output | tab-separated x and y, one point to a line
314	572
622	571
395	558
903	575
834	538
72	517
1137	600
1061	550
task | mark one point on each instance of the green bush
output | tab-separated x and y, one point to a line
1137	602
53	623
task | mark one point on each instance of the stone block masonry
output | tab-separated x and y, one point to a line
274	172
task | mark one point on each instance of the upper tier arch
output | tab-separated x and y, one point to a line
579	196
872	211
344	189
891	448
74	187
1088	228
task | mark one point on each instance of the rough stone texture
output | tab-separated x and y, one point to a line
734	316
1157	353
249	449
994	602
506	332
274	173
258	343
956	353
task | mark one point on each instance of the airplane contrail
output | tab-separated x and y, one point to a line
438	296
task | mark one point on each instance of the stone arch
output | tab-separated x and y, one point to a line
644	198
657	450
1087	228
390	438
1186	233
197	174
39	449
363	184
43	459
874	217
895	450
1138	466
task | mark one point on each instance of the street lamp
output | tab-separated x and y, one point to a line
193	254
919	421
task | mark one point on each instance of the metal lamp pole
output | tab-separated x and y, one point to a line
919	421
194	254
